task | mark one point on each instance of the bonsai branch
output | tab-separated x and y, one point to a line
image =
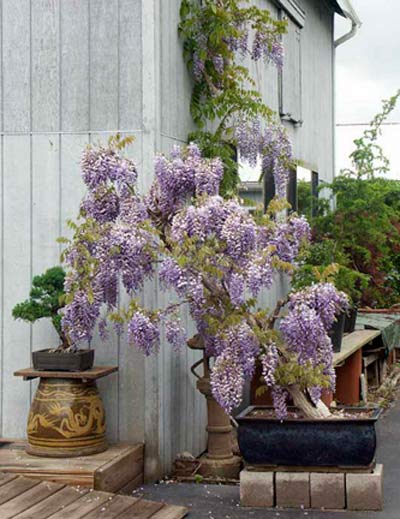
279	305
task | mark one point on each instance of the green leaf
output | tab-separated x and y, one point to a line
184	9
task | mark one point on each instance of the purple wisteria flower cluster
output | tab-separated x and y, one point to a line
180	177
212	253
271	144
267	45
311	314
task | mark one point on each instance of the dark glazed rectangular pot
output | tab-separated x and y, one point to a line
350	320
49	360
349	442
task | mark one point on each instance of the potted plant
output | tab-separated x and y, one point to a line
217	257
46	300
347	440
352	283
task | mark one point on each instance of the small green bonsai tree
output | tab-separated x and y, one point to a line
46	299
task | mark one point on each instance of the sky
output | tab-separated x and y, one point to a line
367	71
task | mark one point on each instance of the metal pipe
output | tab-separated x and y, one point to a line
350	13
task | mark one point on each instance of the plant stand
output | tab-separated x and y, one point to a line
219	460
329	488
67	417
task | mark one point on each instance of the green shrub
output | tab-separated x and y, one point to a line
363	218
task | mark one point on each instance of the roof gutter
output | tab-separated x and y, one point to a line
351	14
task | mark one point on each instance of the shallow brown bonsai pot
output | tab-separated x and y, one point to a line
344	442
59	360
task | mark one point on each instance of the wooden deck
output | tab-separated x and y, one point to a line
25	498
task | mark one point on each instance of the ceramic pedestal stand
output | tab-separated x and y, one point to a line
67	416
219	461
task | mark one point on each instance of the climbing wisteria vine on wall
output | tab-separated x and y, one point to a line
220	37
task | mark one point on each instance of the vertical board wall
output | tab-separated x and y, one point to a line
70	74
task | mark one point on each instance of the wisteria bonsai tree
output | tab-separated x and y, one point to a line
216	257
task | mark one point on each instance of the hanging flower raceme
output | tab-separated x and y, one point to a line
143	333
271	145
327	302
180	177
175	334
268	46
267	42
289	236
216	258
269	362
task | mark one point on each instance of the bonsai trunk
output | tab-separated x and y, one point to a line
305	404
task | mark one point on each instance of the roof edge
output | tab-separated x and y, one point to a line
337	8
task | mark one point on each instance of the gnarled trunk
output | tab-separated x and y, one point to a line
304	403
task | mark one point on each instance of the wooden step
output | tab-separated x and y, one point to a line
120	467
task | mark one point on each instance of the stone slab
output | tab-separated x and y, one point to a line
292	489
327	491
365	491
257	489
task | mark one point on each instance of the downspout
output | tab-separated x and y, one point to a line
350	13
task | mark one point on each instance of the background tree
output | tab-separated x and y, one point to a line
365	220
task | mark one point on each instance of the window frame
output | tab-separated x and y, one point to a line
291	11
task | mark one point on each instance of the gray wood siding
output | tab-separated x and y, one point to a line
313	142
62	86
72	72
182	416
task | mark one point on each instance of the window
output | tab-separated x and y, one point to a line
253	190
290	82
250	189
306	191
